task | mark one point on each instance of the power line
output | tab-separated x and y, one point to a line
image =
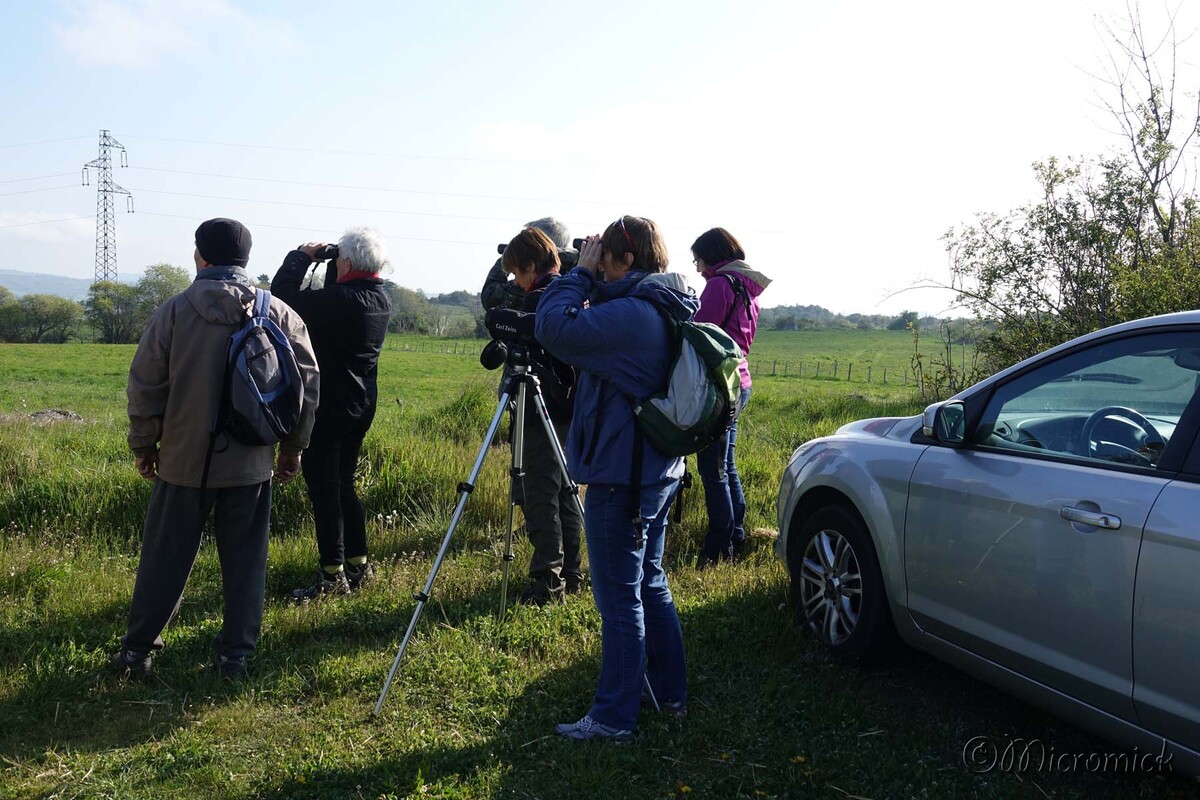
311	231
398	191
43	222
399	156
37	177
43	141
43	189
325	207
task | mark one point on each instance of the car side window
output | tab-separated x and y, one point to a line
1117	401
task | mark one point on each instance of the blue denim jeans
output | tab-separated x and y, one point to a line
723	497
640	633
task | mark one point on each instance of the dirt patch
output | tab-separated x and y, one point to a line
55	415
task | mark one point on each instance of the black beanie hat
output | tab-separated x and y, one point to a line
223	242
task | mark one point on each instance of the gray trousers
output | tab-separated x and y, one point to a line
551	516
170	542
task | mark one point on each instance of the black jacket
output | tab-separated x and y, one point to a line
347	323
557	378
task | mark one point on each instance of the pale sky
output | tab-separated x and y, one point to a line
837	140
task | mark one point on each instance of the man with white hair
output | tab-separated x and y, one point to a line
347	320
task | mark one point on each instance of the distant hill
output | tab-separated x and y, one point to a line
20	283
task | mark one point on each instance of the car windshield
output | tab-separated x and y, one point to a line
1152	382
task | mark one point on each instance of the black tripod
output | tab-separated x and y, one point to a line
518	384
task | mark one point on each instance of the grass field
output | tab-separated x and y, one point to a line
476	697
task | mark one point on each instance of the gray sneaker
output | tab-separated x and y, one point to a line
588	728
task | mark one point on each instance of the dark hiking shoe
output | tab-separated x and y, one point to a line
359	575
541	591
588	728
539	595
575	584
230	668
707	559
132	664
326	584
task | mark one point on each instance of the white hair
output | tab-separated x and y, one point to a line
364	247
557	231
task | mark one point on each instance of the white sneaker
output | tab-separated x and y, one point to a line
588	728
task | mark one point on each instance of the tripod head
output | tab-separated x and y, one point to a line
511	354
512	337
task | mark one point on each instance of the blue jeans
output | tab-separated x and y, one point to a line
640	633
723	497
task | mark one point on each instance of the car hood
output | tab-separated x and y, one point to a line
878	427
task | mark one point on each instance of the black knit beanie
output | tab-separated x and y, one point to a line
223	242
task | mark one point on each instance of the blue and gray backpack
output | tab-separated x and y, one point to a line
262	391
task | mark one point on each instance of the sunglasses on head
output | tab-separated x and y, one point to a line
621	222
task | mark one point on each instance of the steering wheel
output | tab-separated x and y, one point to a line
1119	452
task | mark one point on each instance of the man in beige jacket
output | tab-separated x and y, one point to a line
174	390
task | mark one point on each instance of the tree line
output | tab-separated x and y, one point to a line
117	313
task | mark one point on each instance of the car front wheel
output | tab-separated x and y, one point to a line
837	588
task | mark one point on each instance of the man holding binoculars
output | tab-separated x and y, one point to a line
347	319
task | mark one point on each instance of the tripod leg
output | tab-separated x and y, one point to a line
515	473
464	490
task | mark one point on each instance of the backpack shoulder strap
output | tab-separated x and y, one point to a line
262	302
739	293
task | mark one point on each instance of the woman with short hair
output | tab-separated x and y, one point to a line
551	514
607	318
729	300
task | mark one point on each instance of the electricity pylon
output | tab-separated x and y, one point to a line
106	226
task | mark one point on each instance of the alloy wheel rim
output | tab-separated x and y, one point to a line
831	587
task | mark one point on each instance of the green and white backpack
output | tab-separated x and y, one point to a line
699	402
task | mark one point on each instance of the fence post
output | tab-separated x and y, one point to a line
772	366
835	365
785	366
817	368
849	370
885	374
868	373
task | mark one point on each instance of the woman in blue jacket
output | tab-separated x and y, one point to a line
622	346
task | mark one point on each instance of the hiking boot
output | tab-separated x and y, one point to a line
588	728
539	594
574	584
132	664
231	668
358	575
335	584
707	559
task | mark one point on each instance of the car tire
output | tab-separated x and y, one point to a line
837	589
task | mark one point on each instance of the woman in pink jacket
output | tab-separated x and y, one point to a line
730	300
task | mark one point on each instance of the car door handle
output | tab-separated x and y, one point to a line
1097	519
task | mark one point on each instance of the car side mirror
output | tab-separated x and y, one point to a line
945	422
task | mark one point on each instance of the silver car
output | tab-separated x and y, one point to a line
1040	530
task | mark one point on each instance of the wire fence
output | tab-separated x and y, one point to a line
814	369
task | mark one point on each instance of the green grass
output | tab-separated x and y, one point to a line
476	697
